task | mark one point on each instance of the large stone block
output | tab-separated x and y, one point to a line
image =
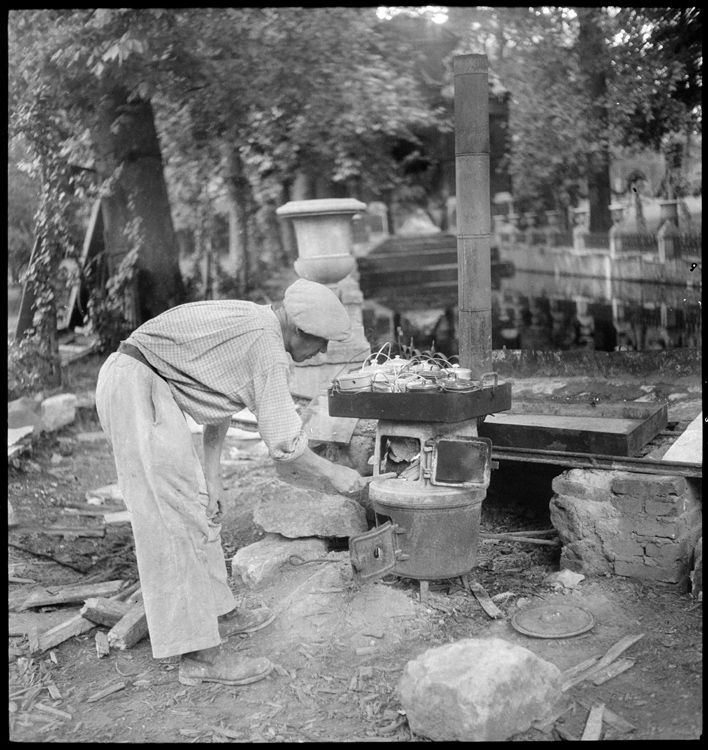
302	512
648	486
258	561
477	690
587	484
58	411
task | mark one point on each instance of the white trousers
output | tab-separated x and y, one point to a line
180	559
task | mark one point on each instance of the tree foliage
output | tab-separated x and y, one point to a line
324	90
651	63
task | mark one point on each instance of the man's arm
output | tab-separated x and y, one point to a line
342	478
213	442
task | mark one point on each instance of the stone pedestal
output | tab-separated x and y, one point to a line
323	230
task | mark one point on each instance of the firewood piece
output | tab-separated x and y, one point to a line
108	612
614	652
564	734
74	626
131	629
102	647
53	691
520	539
33	638
611	718
578	668
51	710
63	530
74	594
621	665
106	691
593	726
484	600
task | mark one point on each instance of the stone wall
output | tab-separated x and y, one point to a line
642	526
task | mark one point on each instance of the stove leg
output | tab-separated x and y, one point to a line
424	591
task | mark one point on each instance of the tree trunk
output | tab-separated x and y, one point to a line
238	192
137	210
593	55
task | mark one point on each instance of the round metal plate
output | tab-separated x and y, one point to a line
553	621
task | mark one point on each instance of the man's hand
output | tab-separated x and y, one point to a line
215	507
346	480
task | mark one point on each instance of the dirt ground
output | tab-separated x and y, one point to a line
338	654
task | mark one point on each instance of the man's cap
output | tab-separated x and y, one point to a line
316	309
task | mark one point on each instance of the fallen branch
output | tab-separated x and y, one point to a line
106	691
514	538
47	556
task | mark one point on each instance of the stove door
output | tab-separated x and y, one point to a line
459	461
374	553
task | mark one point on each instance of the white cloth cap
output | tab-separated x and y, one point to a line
316	309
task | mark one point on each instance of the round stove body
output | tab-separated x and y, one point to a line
436	528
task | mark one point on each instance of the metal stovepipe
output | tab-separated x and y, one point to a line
473	212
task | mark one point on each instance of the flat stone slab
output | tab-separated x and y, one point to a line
302	512
689	446
260	560
322	605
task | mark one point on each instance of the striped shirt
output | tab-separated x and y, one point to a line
219	356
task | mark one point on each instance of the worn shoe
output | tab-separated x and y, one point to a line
226	668
244	621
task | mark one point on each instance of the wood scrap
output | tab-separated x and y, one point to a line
64	563
106	691
617	667
104	611
130	629
593	726
63	530
54	711
568	674
102	647
484	600
53	691
73	594
614	652
564	734
610	717
520	539
74	626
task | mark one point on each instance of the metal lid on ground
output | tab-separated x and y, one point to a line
553	621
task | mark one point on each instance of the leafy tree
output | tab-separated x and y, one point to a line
585	81
252	96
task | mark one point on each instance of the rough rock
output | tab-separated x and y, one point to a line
23	412
58	411
259	560
322	605
477	690
297	512
697	572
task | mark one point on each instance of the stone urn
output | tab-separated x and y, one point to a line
616	212
669	210
323	230
553	218
581	216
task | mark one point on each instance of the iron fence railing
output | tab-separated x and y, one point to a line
638	243
597	241
689	245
